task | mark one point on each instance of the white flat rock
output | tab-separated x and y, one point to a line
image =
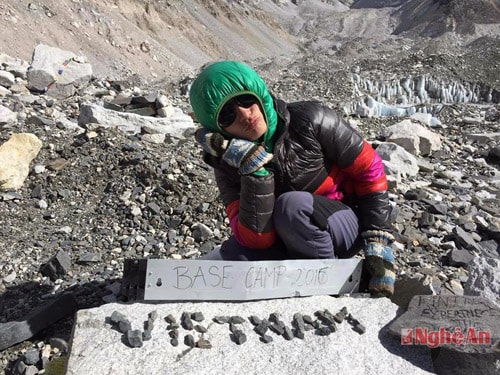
97	347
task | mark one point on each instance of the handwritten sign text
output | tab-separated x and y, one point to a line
226	280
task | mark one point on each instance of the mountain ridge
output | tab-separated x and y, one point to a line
156	39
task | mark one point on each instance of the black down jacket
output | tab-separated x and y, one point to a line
316	151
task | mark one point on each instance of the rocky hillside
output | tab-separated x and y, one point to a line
149	38
161	39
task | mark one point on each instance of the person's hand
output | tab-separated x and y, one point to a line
379	262
212	142
245	155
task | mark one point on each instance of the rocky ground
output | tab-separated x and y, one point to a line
102	196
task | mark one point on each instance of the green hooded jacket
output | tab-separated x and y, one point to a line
221	81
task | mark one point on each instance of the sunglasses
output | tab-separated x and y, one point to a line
227	114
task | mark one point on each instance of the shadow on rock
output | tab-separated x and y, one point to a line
31	313
418	356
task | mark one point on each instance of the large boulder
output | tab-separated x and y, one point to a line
413	137
15	157
142	342
57	72
174	124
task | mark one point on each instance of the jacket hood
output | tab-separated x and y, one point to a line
221	81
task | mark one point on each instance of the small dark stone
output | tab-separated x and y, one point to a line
221	319
173	326
255	320
328	314
90	258
460	257
174	341
57	266
48	216
117	317
170	319
236	320
325	316
353	321
438	208
287	333
149	324
174	333
274	317
308	327
154	207
135	338
339	317
124	326
308	322
414	194
323	331
261	329
238	337
80	140
189	341
298	317
277	328
19	367
186	321
490	248
298	322
299	334
467	241
153	315
146	335
494	153
266	339
317	324
39	120
359	328
197	316
37	192
203	344
319	313
233	327
200	328
31	357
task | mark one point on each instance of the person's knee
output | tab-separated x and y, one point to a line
324	208
289	208
283	201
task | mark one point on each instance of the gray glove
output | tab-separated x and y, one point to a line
245	155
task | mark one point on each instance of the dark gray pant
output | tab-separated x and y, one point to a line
308	227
